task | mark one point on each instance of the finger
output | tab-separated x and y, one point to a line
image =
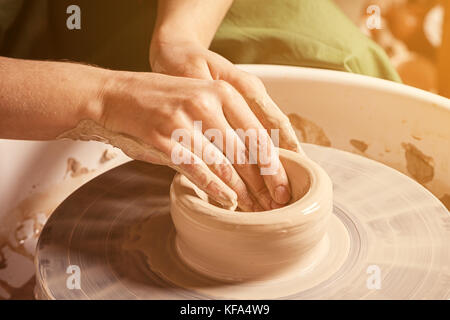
197	69
203	148
239	115
235	150
187	163
265	109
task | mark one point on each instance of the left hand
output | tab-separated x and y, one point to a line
191	59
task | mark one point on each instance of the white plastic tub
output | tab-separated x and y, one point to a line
403	127
386	116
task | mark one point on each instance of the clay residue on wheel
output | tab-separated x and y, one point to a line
310	132
419	165
360	145
445	199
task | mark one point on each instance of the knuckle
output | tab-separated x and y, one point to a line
252	82
224	89
203	101
222	85
255	82
170	124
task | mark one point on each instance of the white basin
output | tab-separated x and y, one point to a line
386	116
403	127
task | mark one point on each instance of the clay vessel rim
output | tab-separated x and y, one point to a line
308	204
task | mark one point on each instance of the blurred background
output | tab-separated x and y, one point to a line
414	33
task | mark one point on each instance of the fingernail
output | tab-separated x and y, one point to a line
282	194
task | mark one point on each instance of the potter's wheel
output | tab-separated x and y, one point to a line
397	230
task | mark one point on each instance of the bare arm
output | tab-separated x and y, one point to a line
196	20
137	112
39	100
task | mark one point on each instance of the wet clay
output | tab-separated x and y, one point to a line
419	165
388	223
262	254
360	145
75	169
316	265
88	130
310	132
252	245
107	156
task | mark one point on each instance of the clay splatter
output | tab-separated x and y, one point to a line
360	145
419	165
445	199
310	132
107	156
75	169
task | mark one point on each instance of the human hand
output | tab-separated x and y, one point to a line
141	111
191	59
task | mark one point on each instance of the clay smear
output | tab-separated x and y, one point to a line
88	130
310	132
74	168
419	165
360	145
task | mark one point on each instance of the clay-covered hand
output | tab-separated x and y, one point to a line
191	59
149	107
139	113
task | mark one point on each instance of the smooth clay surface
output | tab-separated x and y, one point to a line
264	254
239	246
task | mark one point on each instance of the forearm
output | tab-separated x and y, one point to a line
39	100
190	20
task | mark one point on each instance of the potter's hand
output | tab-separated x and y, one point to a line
194	61
183	31
189	59
150	107
138	112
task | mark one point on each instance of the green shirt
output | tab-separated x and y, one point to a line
116	34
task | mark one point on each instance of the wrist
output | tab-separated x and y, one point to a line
116	94
164	36
94	106
169	33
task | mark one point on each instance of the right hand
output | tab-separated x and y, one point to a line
149	107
